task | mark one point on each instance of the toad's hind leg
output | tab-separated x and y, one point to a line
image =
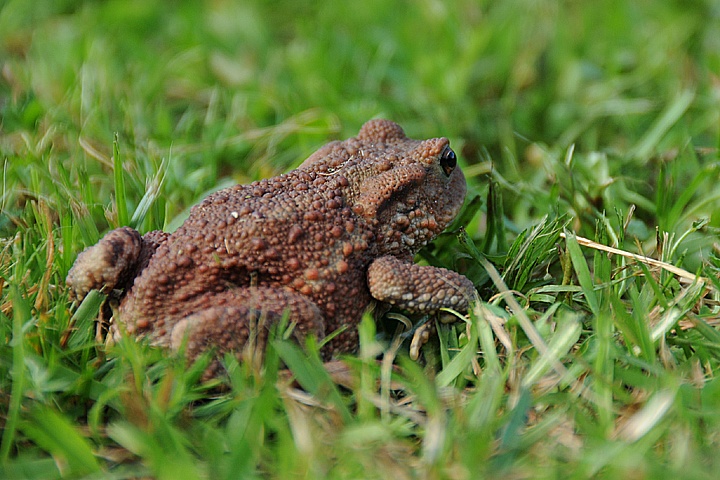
113	262
239	321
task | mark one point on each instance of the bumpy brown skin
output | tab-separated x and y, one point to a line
320	242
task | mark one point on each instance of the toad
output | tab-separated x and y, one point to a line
318	243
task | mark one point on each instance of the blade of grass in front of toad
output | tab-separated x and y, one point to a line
55	433
461	361
310	373
83	320
164	448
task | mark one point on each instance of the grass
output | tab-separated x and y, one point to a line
579	125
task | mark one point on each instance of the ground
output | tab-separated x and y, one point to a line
580	126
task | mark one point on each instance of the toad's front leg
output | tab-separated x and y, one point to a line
418	289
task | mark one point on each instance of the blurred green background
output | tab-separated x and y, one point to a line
247	89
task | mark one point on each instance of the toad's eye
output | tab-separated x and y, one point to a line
448	160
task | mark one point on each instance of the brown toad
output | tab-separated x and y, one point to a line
319	242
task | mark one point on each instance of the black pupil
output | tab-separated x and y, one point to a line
448	160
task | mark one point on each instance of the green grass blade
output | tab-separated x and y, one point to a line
460	362
120	193
152	192
84	320
57	435
164	447
677	107
511	435
485	336
21	315
603	366
311	374
633	327
30	468
582	271
564	338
